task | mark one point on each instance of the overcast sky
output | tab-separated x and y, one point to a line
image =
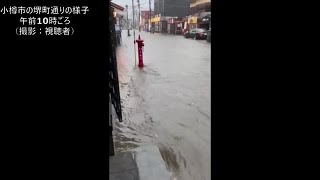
144	5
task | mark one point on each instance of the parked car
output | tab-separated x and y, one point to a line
196	34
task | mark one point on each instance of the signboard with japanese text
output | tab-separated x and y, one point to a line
192	20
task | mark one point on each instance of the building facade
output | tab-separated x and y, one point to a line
155	23
198	6
145	19
173	8
167	9
119	14
175	25
200	15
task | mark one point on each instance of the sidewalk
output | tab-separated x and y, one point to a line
145	163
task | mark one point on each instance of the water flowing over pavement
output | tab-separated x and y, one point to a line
167	103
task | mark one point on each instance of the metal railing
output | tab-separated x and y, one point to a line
114	92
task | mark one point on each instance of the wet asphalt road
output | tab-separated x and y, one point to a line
167	103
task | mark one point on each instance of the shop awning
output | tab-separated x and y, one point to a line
174	20
204	14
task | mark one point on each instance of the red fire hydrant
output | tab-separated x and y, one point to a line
140	46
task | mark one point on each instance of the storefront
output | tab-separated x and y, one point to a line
163	25
185	24
118	13
175	25
156	23
157	27
171	27
192	22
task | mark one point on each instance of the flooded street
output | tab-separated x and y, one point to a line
167	103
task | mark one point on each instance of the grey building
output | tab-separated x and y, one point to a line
167	9
172	8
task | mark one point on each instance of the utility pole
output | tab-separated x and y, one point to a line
134	36
162	8
138	21
133	21
162	14
128	20
149	22
139	14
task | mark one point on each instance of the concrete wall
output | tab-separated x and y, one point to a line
172	8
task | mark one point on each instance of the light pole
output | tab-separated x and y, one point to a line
134	35
128	20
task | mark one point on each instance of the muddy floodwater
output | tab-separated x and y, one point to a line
167	103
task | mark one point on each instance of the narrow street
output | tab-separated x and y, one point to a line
167	103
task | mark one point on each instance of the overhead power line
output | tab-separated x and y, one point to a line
137	5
